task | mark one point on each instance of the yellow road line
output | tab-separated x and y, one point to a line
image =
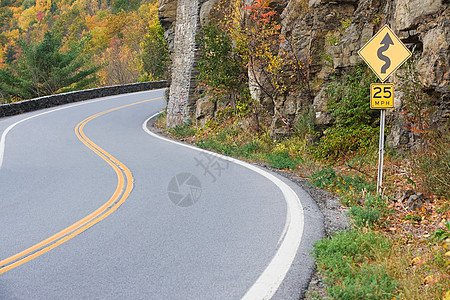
122	191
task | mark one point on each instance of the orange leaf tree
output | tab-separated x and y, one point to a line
273	63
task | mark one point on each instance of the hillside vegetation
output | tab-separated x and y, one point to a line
49	47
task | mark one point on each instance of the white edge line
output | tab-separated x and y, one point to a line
10	127
272	277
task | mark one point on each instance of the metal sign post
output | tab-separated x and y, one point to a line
381	152
382	98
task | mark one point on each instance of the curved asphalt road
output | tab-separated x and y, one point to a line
233	236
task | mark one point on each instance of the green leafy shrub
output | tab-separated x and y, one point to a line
340	141
442	234
355	124
282	160
349	95
376	201
305	121
221	70
364	216
324	178
357	183
353	189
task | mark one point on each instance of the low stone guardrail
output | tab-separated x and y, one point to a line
16	108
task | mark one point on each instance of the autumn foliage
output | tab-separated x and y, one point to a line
120	36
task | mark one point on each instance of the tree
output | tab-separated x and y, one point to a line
125	5
120	65
6	15
275	68
221	69
43	69
155	53
273	61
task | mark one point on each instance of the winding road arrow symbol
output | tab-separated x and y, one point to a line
374	53
386	43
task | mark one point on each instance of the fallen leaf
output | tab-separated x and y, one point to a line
416	260
428	279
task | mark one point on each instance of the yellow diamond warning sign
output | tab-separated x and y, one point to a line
381	96
384	53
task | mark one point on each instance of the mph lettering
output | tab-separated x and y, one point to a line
382	103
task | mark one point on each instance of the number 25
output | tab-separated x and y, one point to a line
386	90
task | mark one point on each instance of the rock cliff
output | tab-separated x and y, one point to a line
330	32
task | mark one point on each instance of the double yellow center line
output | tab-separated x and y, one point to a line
123	190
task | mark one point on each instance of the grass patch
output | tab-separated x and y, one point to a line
364	216
347	262
364	264
282	160
369	214
161	120
419	269
253	150
183	131
231	140
238	149
351	189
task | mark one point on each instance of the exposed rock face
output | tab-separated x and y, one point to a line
204	110
409	13
434	63
421	24
319	34
167	17
424	25
331	32
205	11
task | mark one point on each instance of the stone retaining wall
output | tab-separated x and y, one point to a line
60	99
181	104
